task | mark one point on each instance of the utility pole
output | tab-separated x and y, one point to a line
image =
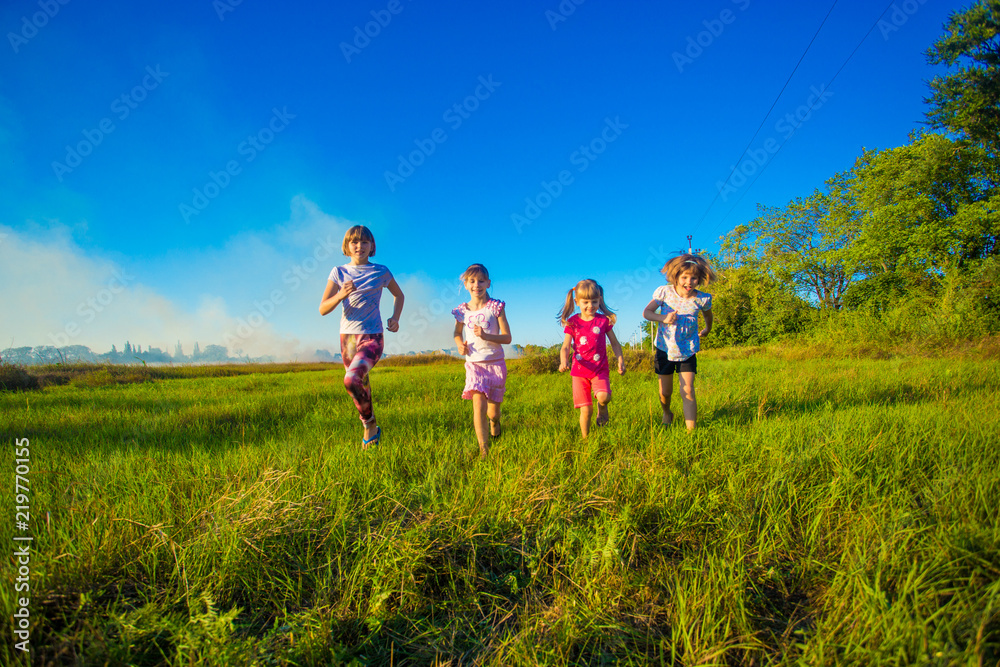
689	244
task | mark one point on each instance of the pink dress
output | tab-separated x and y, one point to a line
485	368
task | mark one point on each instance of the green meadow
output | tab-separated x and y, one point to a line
826	511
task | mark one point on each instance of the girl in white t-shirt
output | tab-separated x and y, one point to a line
358	286
484	322
677	336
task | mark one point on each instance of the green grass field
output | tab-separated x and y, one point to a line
826	511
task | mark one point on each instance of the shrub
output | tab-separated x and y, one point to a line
537	364
15	378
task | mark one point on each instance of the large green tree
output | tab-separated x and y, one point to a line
801	244
966	101
926	207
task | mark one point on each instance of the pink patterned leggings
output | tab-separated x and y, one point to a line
360	352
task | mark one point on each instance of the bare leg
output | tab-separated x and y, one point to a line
689	400
666	390
602	408
493	412
585	413
481	421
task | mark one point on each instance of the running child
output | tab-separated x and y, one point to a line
483	320
358	286
586	340
677	336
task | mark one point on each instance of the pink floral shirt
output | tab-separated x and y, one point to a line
590	345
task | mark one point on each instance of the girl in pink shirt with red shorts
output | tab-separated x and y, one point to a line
586	340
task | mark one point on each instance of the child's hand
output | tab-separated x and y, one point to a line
563	366
621	365
463	349
704	332
346	289
392	324
670	318
477	330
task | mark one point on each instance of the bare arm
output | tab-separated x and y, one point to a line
334	295
708	322
650	314
392	324
463	347
617	349
565	353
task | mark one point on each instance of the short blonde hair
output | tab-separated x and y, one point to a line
358	233
686	262
476	270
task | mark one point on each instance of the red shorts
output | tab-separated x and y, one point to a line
582	388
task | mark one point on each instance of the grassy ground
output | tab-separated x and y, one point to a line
825	512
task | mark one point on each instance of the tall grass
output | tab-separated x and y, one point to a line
826	511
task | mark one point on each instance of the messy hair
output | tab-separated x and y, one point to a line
358	233
476	271
585	289
687	262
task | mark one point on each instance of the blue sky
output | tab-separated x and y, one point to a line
185	172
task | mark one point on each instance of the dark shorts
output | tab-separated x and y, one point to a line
663	366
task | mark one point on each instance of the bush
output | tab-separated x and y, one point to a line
15	378
537	364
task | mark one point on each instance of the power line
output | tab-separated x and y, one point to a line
775	102
782	145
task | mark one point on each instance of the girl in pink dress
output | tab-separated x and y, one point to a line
586	340
483	320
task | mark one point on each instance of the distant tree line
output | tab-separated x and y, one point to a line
130	354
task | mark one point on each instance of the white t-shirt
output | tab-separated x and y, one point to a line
361	314
487	317
680	340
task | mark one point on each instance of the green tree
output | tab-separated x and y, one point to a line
967	100
801	244
923	207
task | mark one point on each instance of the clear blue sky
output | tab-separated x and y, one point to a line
172	171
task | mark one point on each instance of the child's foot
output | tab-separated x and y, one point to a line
495	430
668	418
372	435
602	415
484	451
